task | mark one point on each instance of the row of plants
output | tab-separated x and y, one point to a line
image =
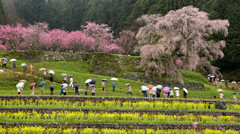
128	117
43	130
157	105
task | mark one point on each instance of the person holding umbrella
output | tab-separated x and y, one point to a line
114	83
93	90
4	62
20	87
31	68
14	63
41	84
76	89
63	89
177	93
144	91
221	95
150	90
103	83
51	89
129	89
166	91
32	87
51	72
171	93
159	88
233	85
185	92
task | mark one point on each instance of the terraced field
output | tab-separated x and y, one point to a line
43	114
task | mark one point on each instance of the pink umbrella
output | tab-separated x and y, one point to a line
166	90
32	85
149	86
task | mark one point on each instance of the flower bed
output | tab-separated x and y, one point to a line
156	105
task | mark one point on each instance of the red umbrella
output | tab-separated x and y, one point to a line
32	85
149	86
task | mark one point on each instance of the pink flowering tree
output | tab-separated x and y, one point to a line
11	36
54	40
103	37
182	33
78	41
179	62
126	41
32	36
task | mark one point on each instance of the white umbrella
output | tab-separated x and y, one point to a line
64	85
13	60
1	70
23	64
159	86
185	90
42	69
234	82
114	79
23	81
222	80
88	80
64	74
51	72
220	90
177	88
19	85
127	84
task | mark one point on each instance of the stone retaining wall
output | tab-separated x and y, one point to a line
119	125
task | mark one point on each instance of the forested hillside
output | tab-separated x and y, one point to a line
121	14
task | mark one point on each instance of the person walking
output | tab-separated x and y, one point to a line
31	68
150	92
4	64
33	89
51	78
177	93
14	65
171	93
233	86
93	90
76	90
44	74
221	95
71	82
159	88
61	90
114	85
184	94
129	90
51	89
103	85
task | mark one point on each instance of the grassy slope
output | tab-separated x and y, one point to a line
80	71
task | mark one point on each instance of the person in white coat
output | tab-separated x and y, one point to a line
71	82
177	93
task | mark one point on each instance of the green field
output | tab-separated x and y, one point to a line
9	79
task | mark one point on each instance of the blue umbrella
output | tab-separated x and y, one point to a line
64	74
104	80
154	89
5	59
70	75
209	75
76	85
23	64
52	86
42	83
144	88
